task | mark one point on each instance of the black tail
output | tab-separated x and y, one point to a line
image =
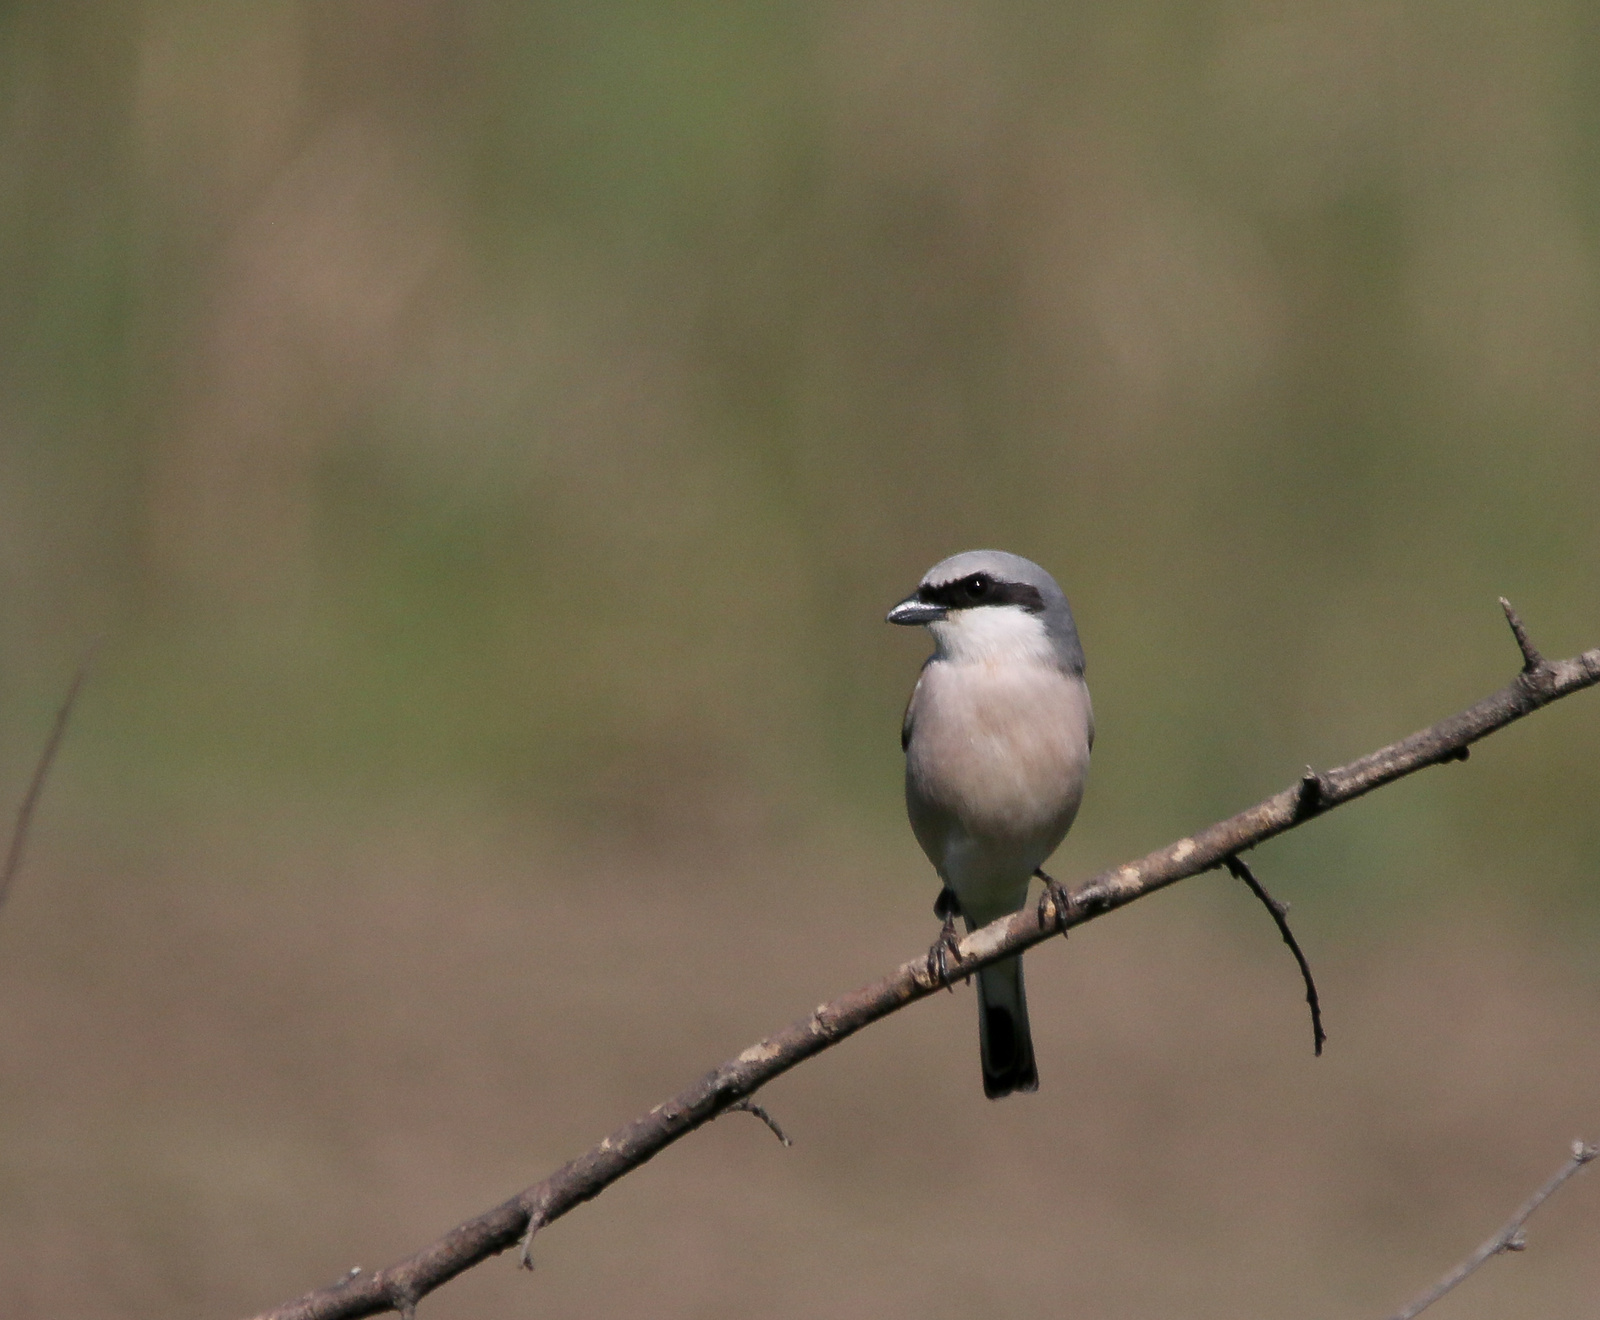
1003	1035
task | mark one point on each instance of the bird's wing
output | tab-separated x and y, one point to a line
911	703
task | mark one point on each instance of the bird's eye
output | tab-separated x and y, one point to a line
977	586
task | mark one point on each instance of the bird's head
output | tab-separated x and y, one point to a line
986	605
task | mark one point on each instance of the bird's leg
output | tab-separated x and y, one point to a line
948	945
1056	892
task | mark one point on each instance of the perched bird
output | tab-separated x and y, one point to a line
997	736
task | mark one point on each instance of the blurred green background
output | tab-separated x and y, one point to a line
487	437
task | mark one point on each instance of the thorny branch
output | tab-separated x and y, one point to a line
400	1286
1510	1237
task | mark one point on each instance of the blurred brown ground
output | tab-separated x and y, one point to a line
237	1066
487	436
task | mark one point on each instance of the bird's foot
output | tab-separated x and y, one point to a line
947	947
1055	894
945	951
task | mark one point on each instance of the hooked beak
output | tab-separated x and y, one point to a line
912	611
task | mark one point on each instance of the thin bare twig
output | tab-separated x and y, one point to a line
30	800
1280	913
1509	1238
582	1179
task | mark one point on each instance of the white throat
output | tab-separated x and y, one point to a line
992	634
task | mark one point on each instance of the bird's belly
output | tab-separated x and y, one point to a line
995	772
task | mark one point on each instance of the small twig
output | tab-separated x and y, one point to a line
1280	913
30	800
748	1106
1510	1237
1532	661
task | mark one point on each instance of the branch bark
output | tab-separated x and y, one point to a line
400	1286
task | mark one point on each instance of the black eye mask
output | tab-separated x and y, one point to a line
978	589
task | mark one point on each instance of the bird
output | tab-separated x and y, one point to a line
997	736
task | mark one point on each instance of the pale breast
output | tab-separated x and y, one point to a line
1002	750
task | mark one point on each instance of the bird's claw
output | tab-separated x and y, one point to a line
946	949
1055	893
948	945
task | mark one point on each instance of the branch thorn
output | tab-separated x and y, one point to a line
525	1242
1532	661
748	1106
